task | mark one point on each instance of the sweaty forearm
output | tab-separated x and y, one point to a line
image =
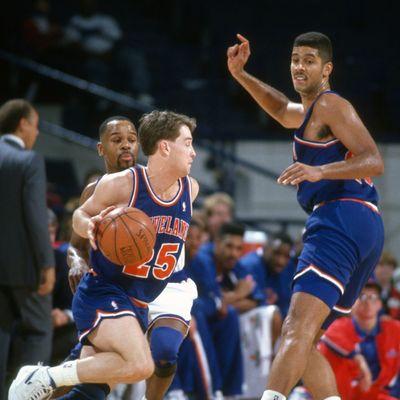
357	167
270	99
80	223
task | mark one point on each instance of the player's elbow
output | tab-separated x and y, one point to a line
379	167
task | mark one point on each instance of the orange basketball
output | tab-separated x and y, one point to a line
126	236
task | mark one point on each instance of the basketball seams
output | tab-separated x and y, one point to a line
115	241
110	242
130	234
105	228
138	221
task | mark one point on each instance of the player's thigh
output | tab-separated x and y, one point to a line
123	336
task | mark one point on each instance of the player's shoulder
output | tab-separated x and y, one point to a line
114	185
87	191
330	104
116	177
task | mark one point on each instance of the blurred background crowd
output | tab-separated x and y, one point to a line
86	60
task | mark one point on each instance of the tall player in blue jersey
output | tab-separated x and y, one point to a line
110	305
334	156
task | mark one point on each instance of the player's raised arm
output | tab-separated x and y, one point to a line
275	103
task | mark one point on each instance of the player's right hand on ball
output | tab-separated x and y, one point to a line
238	55
92	225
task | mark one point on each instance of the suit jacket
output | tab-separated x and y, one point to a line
24	239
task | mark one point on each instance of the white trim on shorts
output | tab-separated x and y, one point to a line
321	274
104	315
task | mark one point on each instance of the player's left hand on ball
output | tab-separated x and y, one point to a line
298	173
92	226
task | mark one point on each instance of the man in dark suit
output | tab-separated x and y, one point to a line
26	257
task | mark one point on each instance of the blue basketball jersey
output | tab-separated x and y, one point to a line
314	153
171	220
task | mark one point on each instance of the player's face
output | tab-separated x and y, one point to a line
308	71
182	152
368	304
228	250
119	146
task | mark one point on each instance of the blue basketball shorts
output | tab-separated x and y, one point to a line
343	242
97	299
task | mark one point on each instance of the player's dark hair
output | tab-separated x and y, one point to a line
11	113
230	228
158	125
318	41
278	239
103	126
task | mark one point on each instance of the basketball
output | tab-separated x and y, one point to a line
126	236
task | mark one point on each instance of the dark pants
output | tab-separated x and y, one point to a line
25	332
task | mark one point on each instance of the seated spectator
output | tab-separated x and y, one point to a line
390	296
218	209
273	270
216	319
364	351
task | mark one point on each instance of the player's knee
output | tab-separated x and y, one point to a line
136	371
164	344
294	335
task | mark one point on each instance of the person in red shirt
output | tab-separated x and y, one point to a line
364	351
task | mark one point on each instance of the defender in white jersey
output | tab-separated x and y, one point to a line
122	353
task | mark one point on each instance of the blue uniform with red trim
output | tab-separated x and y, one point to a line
344	233
112	290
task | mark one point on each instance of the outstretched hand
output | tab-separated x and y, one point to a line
238	54
92	226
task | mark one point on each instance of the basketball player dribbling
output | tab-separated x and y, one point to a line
110	305
334	156
169	313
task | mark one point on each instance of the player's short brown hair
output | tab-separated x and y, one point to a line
11	113
158	125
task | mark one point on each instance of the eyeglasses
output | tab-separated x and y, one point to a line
371	296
